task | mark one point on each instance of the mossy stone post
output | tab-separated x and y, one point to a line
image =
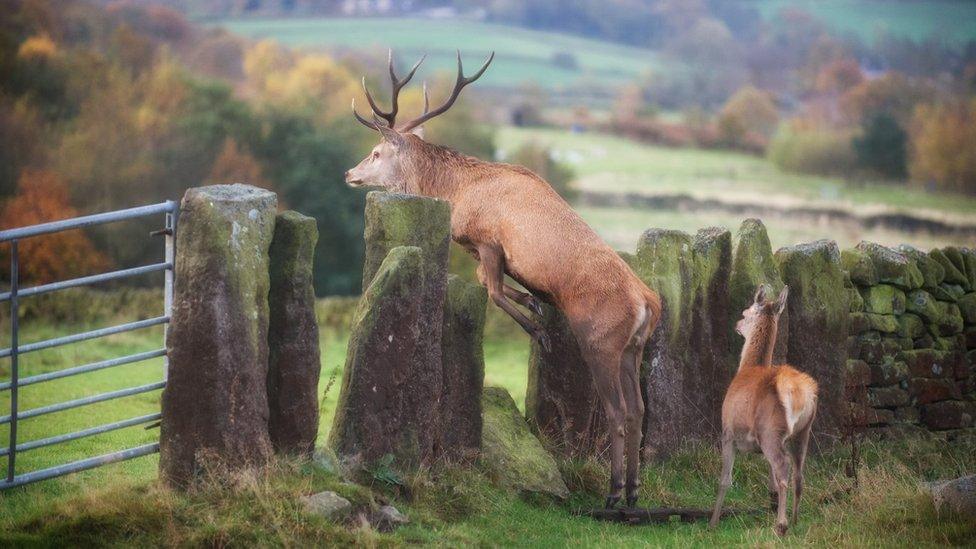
819	309
707	378
392	384
215	406
293	337
687	364
463	375
388	403
561	402
753	265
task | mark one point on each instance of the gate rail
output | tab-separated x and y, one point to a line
13	236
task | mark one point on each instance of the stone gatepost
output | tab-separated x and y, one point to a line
293	337
819	308
687	363
393	378
753	265
215	406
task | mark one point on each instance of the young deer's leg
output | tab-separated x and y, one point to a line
634	421
728	459
605	366
524	299
491	273
799	453
771	487
775	453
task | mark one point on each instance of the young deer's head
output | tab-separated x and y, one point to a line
759	324
387	164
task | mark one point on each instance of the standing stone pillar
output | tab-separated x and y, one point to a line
463	376
687	364
753	265
819	310
293	337
215	406
561	402
392	383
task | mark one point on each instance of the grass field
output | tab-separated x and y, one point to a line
952	20
121	504
521	55
609	164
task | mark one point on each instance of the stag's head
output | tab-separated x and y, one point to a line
386	165
764	308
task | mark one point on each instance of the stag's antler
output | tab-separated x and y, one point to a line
459	84
398	84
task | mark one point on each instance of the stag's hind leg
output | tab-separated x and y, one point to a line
634	421
604	364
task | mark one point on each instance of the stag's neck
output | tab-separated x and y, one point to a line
440	172
758	348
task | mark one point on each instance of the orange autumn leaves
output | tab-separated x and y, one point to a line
42	196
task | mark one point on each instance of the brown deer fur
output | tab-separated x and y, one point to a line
769	407
515	224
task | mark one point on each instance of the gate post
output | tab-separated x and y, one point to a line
215	405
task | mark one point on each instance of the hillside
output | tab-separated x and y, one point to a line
521	55
950	20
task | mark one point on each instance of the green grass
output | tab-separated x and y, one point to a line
121	504
609	164
952	20
522	55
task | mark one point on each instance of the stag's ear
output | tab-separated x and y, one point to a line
761	294
781	301
418	131
390	135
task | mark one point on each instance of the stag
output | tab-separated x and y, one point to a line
768	406
515	224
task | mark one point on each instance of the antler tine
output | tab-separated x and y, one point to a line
459	84
426	99
362	120
396	85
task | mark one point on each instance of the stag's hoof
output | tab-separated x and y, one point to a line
632	501
780	530
612	501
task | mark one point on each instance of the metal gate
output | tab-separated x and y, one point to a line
169	210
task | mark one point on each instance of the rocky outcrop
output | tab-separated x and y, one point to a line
215	406
514	457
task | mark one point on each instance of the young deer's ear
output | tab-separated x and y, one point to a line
761	294
781	301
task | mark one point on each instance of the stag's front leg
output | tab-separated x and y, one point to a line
524	299
491	273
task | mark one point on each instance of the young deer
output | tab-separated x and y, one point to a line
768	406
513	222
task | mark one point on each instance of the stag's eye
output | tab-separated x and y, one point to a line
375	155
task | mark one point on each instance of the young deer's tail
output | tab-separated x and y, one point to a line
797	393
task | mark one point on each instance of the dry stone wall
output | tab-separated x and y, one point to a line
912	338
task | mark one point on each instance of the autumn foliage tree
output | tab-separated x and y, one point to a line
945	146
42	196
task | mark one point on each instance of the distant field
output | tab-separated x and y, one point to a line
610	164
953	20
521	55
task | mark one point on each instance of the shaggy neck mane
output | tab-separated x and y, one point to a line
433	170
758	348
